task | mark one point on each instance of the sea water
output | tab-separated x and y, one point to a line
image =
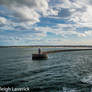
61	72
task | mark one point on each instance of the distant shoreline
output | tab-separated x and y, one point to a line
39	46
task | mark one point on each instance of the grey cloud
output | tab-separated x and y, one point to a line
27	11
64	12
72	0
30	3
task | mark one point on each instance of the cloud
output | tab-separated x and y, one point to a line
28	11
2	20
23	10
22	20
67	31
76	11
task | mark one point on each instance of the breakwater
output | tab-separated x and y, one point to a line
65	50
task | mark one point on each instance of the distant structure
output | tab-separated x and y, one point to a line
39	51
39	56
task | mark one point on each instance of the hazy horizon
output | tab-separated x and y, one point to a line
47	45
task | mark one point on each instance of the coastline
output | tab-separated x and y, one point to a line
49	46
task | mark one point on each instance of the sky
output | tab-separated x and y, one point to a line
45	22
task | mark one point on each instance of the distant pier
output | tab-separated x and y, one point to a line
65	50
44	55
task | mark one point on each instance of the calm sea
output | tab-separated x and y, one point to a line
62	72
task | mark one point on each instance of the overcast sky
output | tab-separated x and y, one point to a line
45	22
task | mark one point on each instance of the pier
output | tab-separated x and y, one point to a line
65	50
44	55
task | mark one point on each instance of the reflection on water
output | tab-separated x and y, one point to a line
62	72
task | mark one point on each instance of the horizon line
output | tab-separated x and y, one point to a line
45	45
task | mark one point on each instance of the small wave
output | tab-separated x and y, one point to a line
87	79
65	89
